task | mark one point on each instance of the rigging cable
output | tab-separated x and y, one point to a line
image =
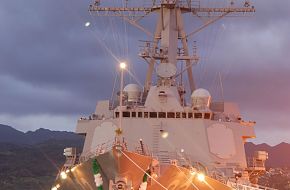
104	45
113	91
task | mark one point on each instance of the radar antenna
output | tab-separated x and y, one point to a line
169	31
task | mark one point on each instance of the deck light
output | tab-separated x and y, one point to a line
73	169
201	177
63	175
164	134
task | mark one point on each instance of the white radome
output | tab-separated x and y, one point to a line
132	88
200	98
133	91
201	92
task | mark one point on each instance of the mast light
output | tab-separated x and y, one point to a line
123	65
87	24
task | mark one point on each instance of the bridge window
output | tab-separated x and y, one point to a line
207	116
197	115
170	115
133	114
162	114
189	115
153	114
183	115
126	114
140	114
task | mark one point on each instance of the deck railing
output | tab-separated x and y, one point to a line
239	186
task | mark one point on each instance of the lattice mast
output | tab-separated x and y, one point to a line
169	31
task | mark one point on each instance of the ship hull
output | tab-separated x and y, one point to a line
125	170
114	165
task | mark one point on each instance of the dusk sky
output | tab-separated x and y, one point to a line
53	69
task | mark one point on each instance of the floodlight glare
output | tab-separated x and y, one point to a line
123	65
201	177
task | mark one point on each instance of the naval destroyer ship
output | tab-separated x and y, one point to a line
162	136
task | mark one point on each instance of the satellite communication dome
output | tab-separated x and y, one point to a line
133	92
200	98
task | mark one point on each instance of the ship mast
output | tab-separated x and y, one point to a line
162	52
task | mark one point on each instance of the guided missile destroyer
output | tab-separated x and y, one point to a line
163	135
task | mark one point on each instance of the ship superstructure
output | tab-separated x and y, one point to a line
154	138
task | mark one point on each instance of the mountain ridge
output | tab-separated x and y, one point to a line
11	135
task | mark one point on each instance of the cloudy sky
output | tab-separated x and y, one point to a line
53	69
